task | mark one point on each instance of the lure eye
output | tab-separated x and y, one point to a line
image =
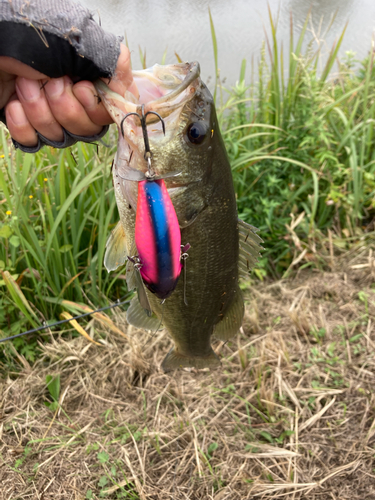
196	132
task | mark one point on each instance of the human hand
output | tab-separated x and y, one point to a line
34	101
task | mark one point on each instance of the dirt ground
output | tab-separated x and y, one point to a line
290	414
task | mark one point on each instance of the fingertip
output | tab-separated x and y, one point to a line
86	94
67	109
18	124
55	87
123	78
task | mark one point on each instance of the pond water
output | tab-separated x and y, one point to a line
183	26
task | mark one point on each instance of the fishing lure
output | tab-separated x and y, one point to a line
157	238
157	231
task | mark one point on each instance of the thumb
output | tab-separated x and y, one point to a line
123	78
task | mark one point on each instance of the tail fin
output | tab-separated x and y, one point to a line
175	360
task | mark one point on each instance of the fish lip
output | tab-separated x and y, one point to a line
192	74
192	70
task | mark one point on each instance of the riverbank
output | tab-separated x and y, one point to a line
159	30
290	413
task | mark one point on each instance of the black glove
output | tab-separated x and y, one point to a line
57	38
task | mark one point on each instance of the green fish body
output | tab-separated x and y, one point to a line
207	300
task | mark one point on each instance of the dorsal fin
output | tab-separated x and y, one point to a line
249	247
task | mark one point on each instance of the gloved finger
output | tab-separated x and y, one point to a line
7	88
37	110
18	124
87	95
67	110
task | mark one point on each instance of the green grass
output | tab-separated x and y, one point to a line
299	140
56	211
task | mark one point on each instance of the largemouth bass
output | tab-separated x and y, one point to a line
191	159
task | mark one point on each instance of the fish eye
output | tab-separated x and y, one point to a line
196	132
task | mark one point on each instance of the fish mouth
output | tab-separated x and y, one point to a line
164	90
169	82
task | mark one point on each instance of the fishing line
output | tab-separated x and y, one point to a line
45	326
184	256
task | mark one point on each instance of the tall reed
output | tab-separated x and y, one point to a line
300	139
56	210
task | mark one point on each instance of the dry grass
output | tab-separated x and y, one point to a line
291	413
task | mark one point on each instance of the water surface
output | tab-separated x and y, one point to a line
183	26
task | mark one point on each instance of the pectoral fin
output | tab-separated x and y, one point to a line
137	317
249	248
115	254
231	322
188	206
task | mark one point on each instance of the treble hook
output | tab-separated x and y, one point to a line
142	118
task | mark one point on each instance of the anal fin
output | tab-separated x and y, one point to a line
115	254
137	317
231	322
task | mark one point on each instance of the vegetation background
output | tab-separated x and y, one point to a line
300	138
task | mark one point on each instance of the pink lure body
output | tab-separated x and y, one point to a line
157	238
